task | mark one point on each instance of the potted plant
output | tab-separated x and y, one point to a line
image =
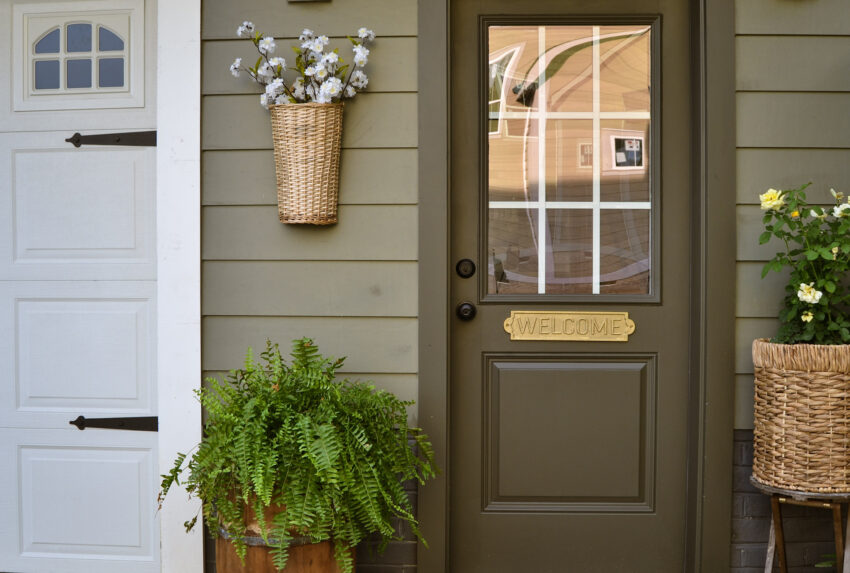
802	375
306	105
291	455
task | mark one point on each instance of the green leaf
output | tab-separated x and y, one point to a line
764	237
764	270
812	255
830	287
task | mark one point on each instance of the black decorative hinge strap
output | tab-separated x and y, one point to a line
138	424
132	138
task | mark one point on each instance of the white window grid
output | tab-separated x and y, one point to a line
596	205
63	56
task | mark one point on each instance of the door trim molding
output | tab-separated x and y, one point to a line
178	160
713	275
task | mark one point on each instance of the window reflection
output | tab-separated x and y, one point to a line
569	118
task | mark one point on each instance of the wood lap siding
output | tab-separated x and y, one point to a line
793	126
353	286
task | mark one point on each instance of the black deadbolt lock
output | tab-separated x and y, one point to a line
465	268
465	311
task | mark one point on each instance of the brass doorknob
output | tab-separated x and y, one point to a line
465	311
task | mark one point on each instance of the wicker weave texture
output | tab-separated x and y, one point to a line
802	416
307	140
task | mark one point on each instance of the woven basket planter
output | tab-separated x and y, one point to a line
307	140
802	416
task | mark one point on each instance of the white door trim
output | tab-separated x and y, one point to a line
178	160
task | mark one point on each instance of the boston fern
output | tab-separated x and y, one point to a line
329	456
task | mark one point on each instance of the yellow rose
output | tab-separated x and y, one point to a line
807	316
771	200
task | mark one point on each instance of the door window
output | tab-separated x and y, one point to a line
570	174
80	52
64	59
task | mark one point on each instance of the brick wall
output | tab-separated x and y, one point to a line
808	530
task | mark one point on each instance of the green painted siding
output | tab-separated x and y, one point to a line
793	126
352	287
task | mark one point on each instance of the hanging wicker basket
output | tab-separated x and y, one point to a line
802	416
307	140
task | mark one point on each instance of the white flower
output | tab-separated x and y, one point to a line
839	196
839	211
318	71
324	40
359	79
814	214
350	91
306	34
278	63
298	89
274	88
361	56
366	34
264	101
808	293
330	60
246	29
266	45
771	200
316	45
234	67
265	70
331	88
807	316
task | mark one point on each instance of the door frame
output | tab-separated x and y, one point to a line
710	406
178	200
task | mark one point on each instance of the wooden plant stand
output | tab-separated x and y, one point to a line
776	539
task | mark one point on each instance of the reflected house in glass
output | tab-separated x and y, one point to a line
569	178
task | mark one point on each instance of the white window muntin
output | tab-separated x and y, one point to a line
64	56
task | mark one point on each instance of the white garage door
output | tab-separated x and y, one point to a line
77	288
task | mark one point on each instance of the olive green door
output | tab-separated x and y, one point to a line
570	193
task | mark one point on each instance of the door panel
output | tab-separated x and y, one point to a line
81	348
77	288
532	402
570	190
83	501
91	215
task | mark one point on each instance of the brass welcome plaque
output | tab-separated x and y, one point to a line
568	325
